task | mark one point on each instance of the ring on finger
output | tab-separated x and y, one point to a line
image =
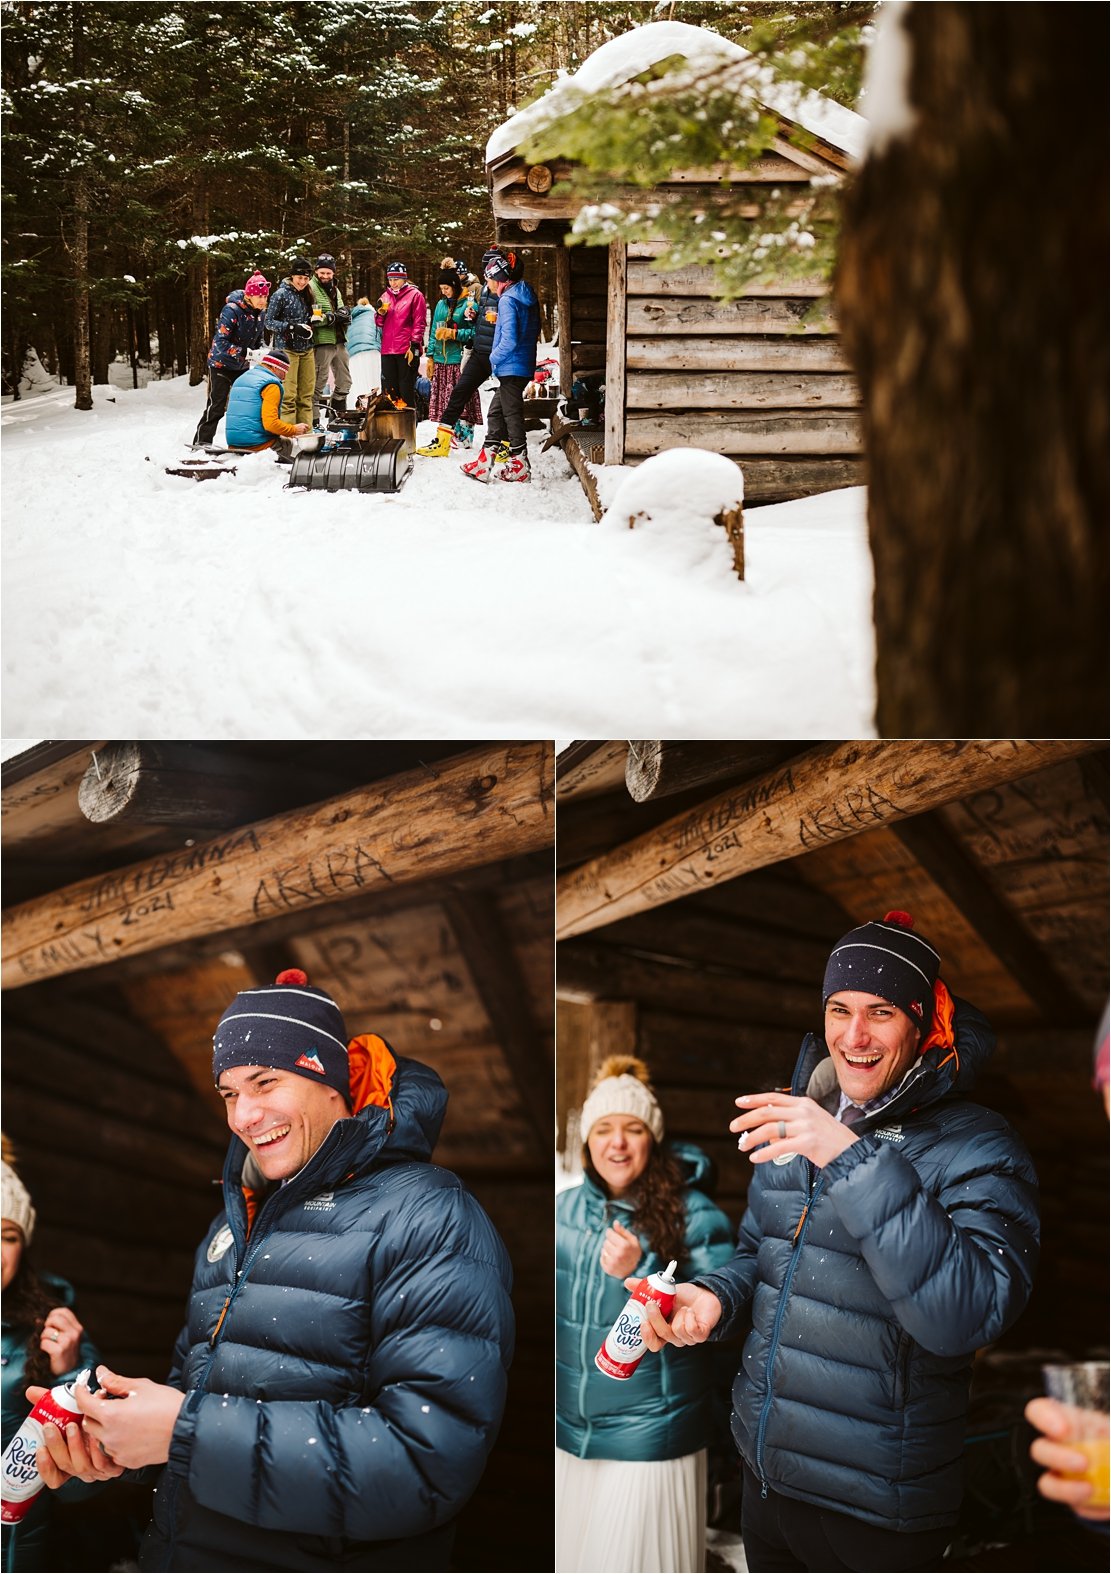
782	1130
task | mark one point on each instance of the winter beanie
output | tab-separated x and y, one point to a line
257	284
289	1026
326	260
449	277
622	1088
398	268
15	1202
276	361
300	265
499	270
887	959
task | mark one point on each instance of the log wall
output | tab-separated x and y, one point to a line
761	379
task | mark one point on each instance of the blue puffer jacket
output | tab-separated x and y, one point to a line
243	421
24	1545
513	352
238	329
363	332
664	1410
872	1282
344	1362
288	305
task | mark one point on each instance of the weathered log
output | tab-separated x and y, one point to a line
188	785
488	804
731	390
735	353
655	315
645	279
585	769
656	769
732	521
835	791
615	357
794	432
594	971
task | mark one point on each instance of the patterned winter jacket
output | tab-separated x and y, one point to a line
238	329
449	352
665	1411
403	320
871	1282
344	1359
288	305
513	352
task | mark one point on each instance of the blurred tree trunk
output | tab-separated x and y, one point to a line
971	298
79	250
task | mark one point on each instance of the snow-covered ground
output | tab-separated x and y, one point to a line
153	605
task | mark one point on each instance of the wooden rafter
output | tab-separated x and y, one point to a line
487	804
834	791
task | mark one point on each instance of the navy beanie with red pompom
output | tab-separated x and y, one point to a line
886	958
287	1025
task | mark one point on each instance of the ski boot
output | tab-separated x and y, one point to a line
440	447
463	435
516	468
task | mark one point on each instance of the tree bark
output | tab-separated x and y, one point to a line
79	251
970	295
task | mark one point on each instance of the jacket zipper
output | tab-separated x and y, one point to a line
784	1295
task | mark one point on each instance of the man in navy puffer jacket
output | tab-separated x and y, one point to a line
341	1376
891	1231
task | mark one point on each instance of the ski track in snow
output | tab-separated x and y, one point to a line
142	604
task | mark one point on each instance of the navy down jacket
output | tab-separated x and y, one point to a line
238	329
872	1281
288	305
664	1410
344	1363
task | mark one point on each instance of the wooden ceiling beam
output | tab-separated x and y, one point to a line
191	786
834	791
488	953
489	803
587	767
933	846
657	769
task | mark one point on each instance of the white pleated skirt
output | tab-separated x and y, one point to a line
616	1516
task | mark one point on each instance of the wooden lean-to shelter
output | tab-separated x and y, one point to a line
761	379
145	883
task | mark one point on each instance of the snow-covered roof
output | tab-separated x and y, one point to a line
625	57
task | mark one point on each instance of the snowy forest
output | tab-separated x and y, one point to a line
156	153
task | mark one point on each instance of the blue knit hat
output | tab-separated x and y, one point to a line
886	958
289	1026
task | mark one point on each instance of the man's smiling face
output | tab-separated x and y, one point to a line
281	1116
872	1043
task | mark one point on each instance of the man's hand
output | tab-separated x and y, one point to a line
131	1419
621	1251
301	427
1051	1417
697	1313
807	1129
64	1455
61	1339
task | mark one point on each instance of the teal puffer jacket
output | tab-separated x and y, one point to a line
664	1410
871	1282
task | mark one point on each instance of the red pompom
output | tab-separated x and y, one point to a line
292	975
904	920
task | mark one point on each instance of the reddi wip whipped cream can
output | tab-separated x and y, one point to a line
624	1348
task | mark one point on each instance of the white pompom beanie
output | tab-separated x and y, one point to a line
15	1202
624	1095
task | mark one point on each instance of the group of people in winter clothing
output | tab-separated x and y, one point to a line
341	1375
478	329
891	1231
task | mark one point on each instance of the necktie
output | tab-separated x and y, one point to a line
851	1115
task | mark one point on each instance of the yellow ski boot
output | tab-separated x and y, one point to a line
439	447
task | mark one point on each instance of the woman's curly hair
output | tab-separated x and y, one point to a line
659	1212
26	1304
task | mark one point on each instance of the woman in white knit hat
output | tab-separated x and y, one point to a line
631	1456
43	1343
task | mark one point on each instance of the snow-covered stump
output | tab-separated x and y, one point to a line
690	494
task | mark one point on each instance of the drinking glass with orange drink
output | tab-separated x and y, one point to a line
1075	1423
